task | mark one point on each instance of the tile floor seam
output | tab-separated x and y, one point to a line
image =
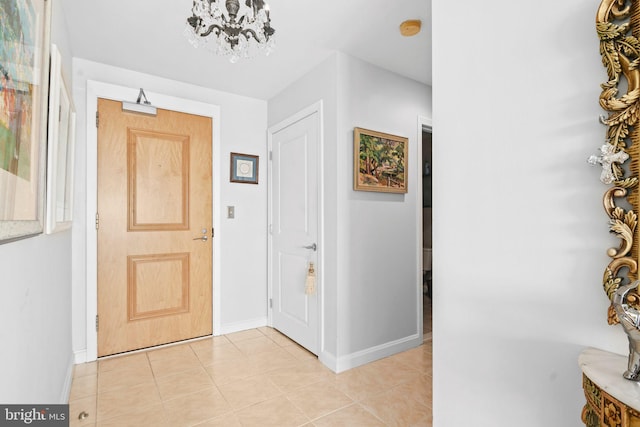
333	411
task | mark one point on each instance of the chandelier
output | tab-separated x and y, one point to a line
231	29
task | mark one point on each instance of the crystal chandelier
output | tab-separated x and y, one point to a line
232	29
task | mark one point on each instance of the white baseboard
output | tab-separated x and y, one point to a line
66	388
362	357
230	328
80	356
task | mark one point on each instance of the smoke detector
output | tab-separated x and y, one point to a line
410	27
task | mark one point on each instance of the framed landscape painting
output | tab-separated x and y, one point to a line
380	161
24	80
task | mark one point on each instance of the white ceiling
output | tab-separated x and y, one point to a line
147	36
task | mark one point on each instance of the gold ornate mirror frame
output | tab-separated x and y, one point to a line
618	27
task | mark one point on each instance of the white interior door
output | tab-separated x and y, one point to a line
294	228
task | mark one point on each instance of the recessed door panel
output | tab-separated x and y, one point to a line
158	285
294	198
293	301
158	175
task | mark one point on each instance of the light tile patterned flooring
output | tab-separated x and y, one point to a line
252	378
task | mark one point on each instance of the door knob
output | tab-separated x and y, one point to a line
312	246
204	238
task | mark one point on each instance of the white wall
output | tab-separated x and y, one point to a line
242	241
371	292
320	84
35	303
379	234
519	234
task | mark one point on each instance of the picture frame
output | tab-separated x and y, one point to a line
60	149
244	168
24	82
379	161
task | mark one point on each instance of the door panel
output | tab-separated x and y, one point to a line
292	303
294	216
155	216
158	179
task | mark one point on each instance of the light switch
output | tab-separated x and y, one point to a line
231	211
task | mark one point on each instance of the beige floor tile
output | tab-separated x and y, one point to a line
319	399
86	405
173	360
282	340
230	370
358	384
418	358
269	331
112	404
396	410
131	362
175	352
187	382
123	379
244	335
227	420
256	345
84	386
272	360
277	412
249	391
299	352
389	372
208	356
151	416
420	390
250	378
82	369
299	374
351	416
209	343
196	408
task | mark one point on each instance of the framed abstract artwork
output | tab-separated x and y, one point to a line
379	161
244	168
24	81
60	149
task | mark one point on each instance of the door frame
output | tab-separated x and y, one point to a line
317	107
424	123
97	90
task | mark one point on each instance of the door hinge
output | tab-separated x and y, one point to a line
270	155
271	229
212	233
97	322
97	220
270	302
97	118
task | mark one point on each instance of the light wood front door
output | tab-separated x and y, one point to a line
154	228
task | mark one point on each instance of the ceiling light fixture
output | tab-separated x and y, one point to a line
410	27
233	29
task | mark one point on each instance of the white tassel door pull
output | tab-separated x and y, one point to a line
310	282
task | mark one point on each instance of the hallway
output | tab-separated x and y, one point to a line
252	378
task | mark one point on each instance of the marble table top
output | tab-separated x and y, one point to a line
605	369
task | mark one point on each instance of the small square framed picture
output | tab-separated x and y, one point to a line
244	168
